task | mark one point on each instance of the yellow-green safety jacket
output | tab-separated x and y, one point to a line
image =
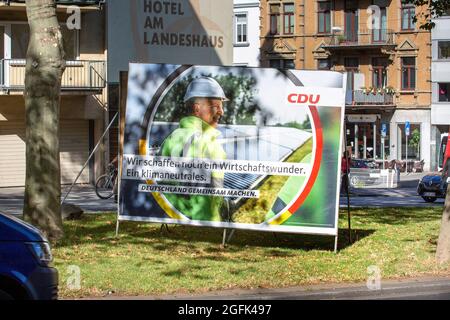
196	139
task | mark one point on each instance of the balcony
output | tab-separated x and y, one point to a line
364	39
80	75
361	98
64	2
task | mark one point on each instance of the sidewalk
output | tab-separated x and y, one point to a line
83	196
406	188
410	288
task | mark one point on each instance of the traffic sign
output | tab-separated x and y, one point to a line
383	130
407	128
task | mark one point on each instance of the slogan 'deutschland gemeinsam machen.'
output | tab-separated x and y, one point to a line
155	23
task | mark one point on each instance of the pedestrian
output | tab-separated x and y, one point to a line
345	168
196	138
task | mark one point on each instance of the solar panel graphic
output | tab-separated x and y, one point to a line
243	143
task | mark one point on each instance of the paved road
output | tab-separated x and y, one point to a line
11	199
437	288
381	198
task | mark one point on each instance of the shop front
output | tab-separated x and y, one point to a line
415	147
366	135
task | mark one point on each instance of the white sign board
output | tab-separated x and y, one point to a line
177	32
355	118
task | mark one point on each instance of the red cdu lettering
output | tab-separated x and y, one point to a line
292	98
303	98
312	100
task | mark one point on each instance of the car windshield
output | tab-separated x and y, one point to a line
359	163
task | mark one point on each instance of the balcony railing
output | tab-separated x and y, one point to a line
371	37
78	75
359	97
65	2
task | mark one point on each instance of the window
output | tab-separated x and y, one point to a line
414	140
407	13
241	28
379	32
324	16
324	64
288	18
351	21
282	63
444	92
379	72
274	19
351	65
70	43
408	73
444	50
19	40
2	42
20	35
289	64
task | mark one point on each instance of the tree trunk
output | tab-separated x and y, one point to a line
443	247
44	67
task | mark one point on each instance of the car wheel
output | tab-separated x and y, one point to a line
354	181
429	199
5	296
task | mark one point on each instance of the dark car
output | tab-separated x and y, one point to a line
362	172
25	262
431	187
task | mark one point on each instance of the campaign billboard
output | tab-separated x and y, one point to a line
233	147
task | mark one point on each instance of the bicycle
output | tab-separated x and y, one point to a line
104	186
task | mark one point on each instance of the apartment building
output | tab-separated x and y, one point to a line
246	26
387	58
440	77
83	106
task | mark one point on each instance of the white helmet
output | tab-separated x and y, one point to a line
204	87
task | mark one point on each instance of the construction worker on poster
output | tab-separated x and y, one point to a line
196	137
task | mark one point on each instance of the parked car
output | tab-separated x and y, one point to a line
360	172
25	262
431	187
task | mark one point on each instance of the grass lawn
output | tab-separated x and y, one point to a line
142	260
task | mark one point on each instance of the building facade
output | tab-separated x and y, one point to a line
387	59
83	107
440	76
246	32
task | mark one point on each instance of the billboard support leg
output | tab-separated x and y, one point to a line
347	185
335	243
117	227
224	238
231	235
164	226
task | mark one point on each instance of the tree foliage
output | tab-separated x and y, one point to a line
414	141
239	89
434	9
